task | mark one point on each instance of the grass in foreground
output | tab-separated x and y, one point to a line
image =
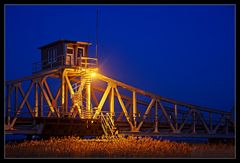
131	147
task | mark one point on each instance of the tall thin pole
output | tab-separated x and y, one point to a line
97	34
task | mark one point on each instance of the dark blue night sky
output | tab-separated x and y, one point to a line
184	52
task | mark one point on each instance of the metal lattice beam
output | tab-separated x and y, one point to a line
177	117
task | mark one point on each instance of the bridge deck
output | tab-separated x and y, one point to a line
89	127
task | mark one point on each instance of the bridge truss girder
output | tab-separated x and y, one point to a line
162	110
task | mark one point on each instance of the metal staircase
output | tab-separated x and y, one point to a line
108	125
78	88
78	99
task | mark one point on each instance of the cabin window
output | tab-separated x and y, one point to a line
69	51
80	52
49	56
54	55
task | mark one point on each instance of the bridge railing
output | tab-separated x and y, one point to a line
84	62
49	63
87	62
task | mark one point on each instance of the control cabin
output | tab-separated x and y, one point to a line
63	53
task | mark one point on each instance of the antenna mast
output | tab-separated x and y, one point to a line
97	34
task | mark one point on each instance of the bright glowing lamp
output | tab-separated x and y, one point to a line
93	74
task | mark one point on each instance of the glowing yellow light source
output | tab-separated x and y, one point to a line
93	74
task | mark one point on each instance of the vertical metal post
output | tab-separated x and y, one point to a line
41	104
9	105
194	119
134	109
66	100
112	103
176	116
63	93
210	121
16	98
88	96
81	95
36	100
156	117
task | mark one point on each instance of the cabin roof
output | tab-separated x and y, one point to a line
63	41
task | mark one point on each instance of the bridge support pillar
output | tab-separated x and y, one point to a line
63	93
194	122
134	109
112	103
88	97
36	100
65	110
156	117
9	91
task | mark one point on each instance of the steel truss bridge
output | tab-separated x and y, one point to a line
87	103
